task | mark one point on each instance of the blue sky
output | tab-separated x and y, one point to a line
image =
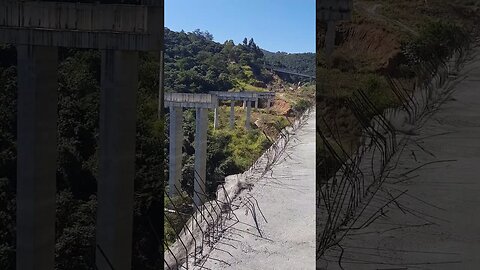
275	25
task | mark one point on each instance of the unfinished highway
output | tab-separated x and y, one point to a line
283	234
434	223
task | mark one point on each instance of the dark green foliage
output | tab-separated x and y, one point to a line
8	155
75	227
302	105
303	63
196	64
77	168
7	225
437	40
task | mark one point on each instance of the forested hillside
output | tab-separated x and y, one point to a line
194	63
197	64
303	63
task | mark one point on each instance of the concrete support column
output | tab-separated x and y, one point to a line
232	114
117	160
247	117
37	157
201	128
269	103
256	104
244	104
215	117
330	41
175	153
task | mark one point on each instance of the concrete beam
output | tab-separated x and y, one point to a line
81	25
248	114
37	157
201	128
266	95
232	114
187	100
247	95
216	120
175	147
117	160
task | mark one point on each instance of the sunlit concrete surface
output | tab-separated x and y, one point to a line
435	224
286	198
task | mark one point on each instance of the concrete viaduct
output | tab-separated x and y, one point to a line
331	11
38	28
202	103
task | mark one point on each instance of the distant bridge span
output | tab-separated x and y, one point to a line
286	71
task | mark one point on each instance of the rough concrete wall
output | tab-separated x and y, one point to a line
81	25
82	17
187	100
248	95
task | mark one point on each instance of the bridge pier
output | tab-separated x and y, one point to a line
175	149
117	159
215	117
247	98
201	128
201	102
232	114
331	11
37	156
247	116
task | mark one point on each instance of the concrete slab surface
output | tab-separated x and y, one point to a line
286	198
435	223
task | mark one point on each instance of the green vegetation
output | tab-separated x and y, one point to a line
436	40
77	168
303	63
196	64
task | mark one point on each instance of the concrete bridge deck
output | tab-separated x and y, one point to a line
436	223
287	200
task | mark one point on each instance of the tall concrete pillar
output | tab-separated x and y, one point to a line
269	103
232	114
201	128
248	113
37	156
215	117
330	41
256	104
244	104
175	147
117	160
